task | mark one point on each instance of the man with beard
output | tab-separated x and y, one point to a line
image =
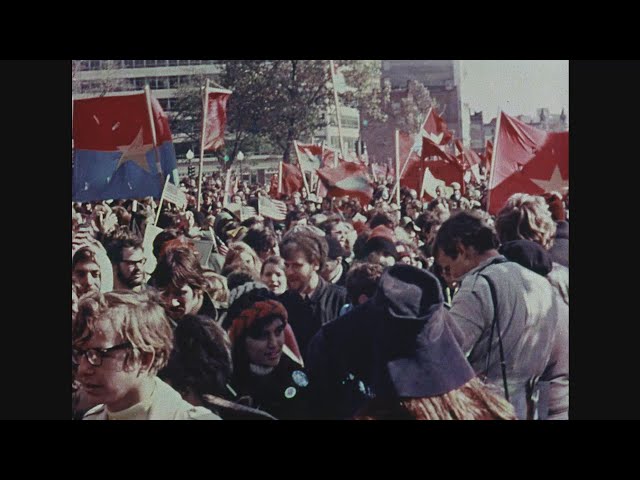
310	300
127	259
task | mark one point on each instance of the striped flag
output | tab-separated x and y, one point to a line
274	209
347	179
309	156
174	195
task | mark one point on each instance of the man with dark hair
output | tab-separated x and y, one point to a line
127	259
382	218
293	218
85	271
333	270
310	300
362	281
502	309
182	284
263	241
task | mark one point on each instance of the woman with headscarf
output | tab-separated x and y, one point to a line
266	359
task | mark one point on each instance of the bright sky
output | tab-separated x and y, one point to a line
519	87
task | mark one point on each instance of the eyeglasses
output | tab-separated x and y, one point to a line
142	261
95	355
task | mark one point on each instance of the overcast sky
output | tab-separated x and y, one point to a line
518	87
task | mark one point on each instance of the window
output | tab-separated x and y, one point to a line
173	62
128	64
173	82
138	63
94	64
183	62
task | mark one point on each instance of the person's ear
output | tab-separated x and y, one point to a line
146	361
362	298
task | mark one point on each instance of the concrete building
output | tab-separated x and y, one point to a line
163	76
477	139
350	124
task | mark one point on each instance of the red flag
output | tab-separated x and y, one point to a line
408	151
435	128
447	171
291	179
467	156
99	123
309	156
347	179
430	183
488	155
216	118
431	149
527	160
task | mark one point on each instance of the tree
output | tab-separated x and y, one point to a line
285	100
414	107
250	107
367	93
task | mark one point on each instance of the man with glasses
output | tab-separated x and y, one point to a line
127	259
120	341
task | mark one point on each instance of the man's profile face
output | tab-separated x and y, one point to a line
111	382
454	268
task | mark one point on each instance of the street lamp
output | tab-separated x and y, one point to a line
190	169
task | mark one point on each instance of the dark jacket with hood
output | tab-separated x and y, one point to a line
560	249
306	316
400	343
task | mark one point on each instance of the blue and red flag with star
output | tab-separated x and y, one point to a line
114	148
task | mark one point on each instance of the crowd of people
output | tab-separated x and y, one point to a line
423	310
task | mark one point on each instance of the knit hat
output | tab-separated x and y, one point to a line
258	310
252	301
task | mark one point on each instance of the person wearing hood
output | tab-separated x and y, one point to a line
397	356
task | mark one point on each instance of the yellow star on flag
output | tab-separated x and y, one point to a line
135	152
555	184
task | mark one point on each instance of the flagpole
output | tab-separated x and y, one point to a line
493	159
227	181
304	178
205	107
280	178
147	94
213	236
161	199
397	186
335	97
